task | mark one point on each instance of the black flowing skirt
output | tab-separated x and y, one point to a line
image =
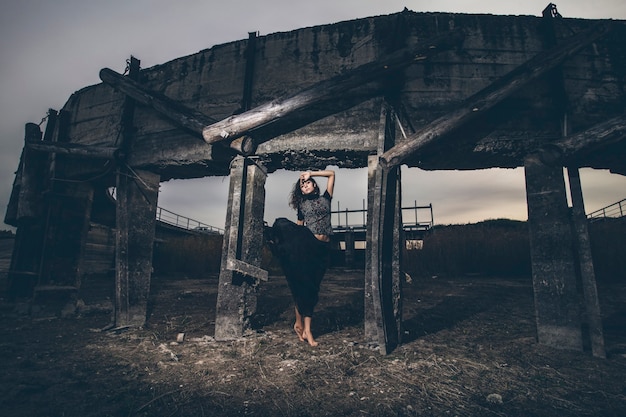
303	258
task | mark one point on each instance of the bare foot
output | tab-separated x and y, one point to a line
309	338
299	332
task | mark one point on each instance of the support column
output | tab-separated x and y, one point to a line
383	287
136	202
26	212
349	258
67	225
241	250
587	272
69	210
552	259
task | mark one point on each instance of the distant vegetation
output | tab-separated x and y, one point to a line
501	247
608	247
493	247
193	255
6	234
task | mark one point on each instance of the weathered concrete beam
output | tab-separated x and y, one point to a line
238	125
493	94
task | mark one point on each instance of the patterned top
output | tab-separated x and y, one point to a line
315	211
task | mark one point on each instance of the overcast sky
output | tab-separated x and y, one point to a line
49	49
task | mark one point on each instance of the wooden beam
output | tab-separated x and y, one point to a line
74	149
491	95
181	115
241	124
602	134
566	151
383	287
244	268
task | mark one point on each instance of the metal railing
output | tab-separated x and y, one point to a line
614	210
357	219
171	218
345	219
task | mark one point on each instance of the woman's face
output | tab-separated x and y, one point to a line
307	187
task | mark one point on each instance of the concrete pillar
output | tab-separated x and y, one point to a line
136	202
243	243
383	287
26	212
552	260
587	272
349	258
67	225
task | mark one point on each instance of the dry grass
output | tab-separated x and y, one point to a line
469	350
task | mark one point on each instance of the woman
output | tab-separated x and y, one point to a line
313	211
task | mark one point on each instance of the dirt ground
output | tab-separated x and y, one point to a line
469	350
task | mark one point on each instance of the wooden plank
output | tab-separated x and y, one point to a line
383	298
238	125
75	149
602	134
181	115
493	94
571	151
241	267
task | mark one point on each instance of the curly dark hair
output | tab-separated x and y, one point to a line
296	196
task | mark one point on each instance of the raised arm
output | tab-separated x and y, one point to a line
330	174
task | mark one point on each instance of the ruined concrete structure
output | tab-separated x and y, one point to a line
431	90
